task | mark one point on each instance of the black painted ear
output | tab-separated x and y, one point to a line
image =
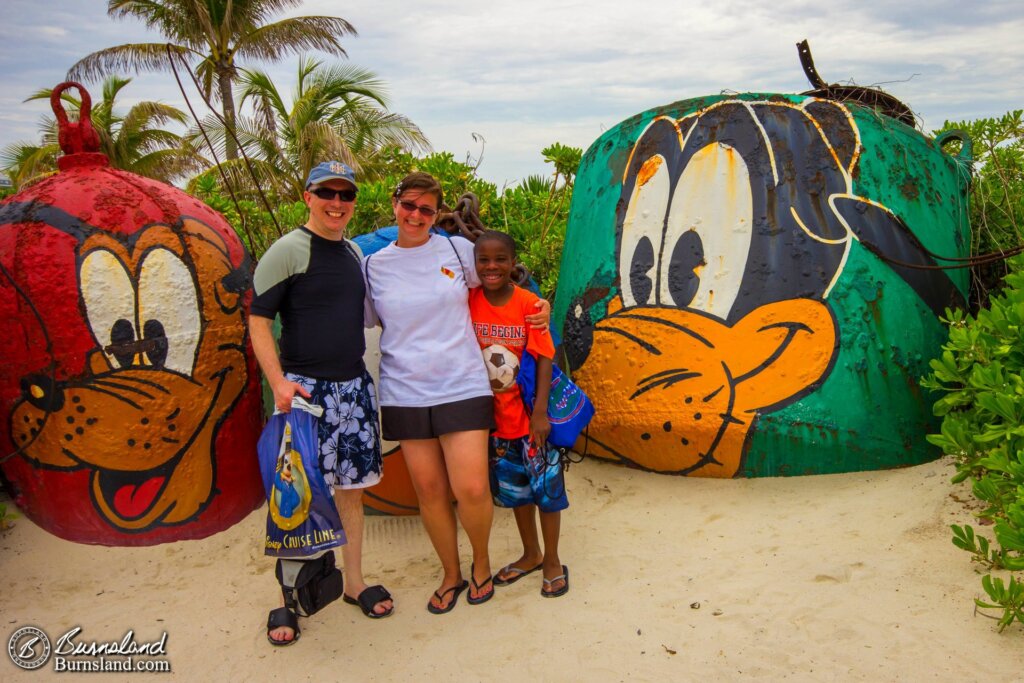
36	211
578	330
239	279
888	237
834	121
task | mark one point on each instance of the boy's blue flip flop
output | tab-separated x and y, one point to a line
561	591
516	574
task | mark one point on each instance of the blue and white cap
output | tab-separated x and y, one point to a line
331	170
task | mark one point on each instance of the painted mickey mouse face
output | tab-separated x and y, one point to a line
684	244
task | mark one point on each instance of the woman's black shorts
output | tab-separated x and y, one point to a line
400	423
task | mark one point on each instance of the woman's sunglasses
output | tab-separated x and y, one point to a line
327	194
425	211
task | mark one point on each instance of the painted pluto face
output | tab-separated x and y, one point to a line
733	226
168	365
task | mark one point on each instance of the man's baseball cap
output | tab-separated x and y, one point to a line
331	170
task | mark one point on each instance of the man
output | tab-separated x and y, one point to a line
311	278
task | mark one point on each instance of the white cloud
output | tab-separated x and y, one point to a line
529	73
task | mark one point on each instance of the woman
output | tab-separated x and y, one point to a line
434	393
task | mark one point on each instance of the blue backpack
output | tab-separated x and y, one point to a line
569	409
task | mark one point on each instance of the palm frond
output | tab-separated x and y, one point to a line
294	35
135	57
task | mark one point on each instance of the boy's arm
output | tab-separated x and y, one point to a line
540	427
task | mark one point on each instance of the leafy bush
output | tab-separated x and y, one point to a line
982	410
6	518
253	224
997	192
534	213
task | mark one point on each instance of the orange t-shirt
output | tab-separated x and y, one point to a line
506	325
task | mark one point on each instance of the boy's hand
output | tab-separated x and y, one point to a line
539	320
540	427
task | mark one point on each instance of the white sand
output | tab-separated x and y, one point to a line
843	577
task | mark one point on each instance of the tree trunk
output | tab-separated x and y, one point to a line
227	98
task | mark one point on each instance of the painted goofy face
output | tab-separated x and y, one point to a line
733	226
169	363
705	333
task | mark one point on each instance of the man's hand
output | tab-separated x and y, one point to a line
284	391
539	320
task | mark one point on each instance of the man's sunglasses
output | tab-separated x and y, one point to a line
425	211
327	194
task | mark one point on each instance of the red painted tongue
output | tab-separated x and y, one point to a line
131	501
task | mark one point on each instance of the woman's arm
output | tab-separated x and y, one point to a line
540	320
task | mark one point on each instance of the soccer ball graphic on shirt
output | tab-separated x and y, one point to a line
502	367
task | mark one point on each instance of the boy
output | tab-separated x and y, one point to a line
526	473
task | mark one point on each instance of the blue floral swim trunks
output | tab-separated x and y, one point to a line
349	430
519	478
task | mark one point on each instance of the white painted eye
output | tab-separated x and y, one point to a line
708	233
641	233
169	311
109	296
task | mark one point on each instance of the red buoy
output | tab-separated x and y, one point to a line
129	399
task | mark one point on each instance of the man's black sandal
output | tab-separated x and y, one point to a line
369	598
282	616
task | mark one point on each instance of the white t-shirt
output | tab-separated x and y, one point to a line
429	353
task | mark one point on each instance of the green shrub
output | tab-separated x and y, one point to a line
982	410
997	193
6	518
534	212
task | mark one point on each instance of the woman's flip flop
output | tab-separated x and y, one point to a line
480	599
440	596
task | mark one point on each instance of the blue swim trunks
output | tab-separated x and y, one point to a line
348	431
518	479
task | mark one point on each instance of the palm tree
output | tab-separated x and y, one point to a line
336	112
217	33
133	142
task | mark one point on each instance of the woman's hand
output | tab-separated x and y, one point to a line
540	320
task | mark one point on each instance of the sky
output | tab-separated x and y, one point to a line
522	75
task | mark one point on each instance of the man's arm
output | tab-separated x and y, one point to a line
262	334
